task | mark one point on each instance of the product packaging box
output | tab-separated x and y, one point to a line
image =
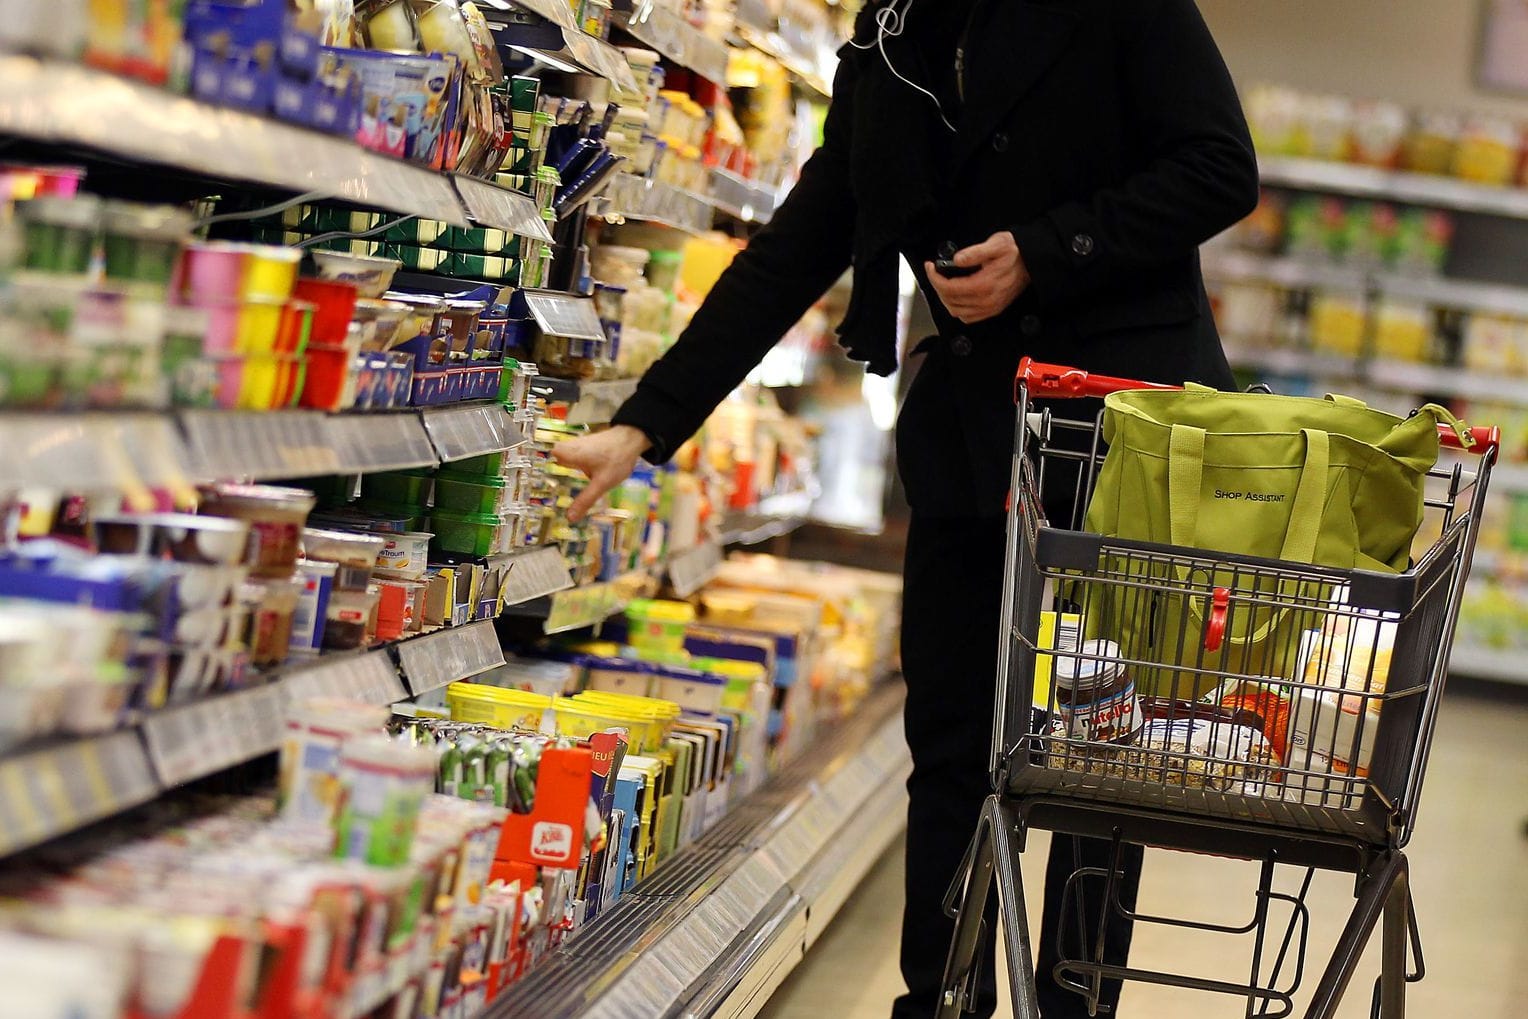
408	103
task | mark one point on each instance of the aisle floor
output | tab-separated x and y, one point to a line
1470	876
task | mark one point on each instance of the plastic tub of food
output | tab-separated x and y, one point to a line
392	518
348	619
212	272
60	232
654	715
616	675
296	328
181	537
370	276
355	554
405	555
474	534
404	488
334	305
468	493
259	324
659	626
691	689
500	708
618	266
582	720
275	517
142	242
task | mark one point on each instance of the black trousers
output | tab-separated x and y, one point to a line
952	600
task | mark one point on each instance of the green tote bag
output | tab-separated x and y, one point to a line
1328	482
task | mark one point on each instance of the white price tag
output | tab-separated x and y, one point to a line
535	574
460	432
503	208
458	653
565	315
200	739
690	571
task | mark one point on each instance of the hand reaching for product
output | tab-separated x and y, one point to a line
607	458
999	279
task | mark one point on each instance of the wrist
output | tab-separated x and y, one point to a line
631	440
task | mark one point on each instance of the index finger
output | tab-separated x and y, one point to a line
976	254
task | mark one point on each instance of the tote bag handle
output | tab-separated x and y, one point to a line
1185	474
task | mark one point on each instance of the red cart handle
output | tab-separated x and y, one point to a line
1057	382
1215	629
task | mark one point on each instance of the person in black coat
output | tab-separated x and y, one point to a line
1077	153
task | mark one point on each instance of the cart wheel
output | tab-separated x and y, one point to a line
961	970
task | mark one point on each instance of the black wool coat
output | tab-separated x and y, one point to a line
1106	135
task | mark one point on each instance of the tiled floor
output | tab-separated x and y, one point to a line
1470	877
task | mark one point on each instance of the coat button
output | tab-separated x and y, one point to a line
1082	245
960	346
1000	142
1029	325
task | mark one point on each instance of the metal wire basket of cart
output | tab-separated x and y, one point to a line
1180	699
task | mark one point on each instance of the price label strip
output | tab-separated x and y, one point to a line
565	315
534	574
53	790
594	603
380	442
503	208
200	739
370	678
454	654
460	432
690	571
266	445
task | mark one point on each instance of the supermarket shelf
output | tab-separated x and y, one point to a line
471	430
633	197
1441	380
65	784
130	450
1413	188
775	516
298	444
40	99
593	55
742	199
1489	663
721	923
200	739
537	573
1510	477
61	785
91	452
768	42
667	31
1232	266
439	659
591	604
1289	360
1303	274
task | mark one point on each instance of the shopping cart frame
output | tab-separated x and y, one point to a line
1364	836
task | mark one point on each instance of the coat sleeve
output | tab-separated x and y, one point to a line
1197	176
788	265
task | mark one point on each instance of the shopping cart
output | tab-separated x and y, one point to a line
1306	751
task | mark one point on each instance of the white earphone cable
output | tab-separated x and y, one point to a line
890	23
